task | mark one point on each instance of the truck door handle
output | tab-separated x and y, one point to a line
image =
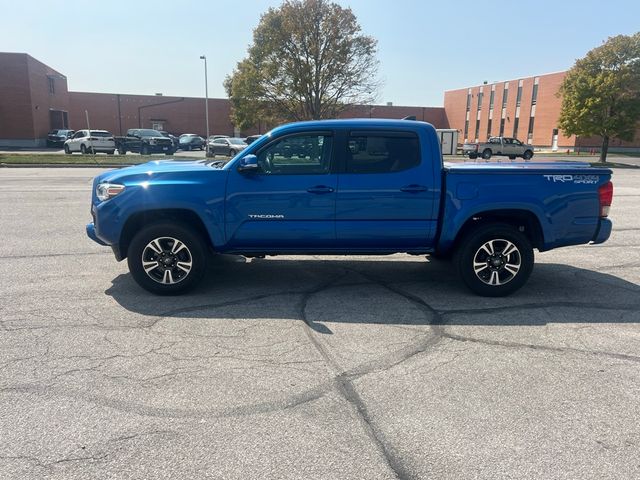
413	188
320	189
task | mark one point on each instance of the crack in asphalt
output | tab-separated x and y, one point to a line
341	382
47	255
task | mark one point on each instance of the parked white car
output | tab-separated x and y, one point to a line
85	142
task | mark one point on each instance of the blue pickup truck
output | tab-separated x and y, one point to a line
347	187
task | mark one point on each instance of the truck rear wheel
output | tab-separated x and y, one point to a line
167	258
494	260
486	153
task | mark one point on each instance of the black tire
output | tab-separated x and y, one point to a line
170	152
196	249
232	153
66	150
122	150
144	150
496	279
527	155
473	156
83	149
110	152
486	153
512	157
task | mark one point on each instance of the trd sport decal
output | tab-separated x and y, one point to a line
590	179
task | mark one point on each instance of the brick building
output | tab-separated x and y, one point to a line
526	108
34	99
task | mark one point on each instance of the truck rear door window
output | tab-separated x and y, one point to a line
382	152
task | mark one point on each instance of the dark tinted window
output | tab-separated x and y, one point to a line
297	154
373	153
100	133
149	133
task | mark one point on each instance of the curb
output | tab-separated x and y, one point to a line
65	165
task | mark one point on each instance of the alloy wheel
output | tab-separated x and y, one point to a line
167	260
497	262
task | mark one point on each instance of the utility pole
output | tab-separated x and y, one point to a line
206	102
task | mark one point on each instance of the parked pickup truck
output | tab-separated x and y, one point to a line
509	147
361	187
145	141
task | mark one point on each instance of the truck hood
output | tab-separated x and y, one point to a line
153	170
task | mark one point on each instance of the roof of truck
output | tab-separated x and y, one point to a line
356	122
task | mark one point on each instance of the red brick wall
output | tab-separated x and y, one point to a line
187	115
117	113
16	116
42	100
433	115
546	116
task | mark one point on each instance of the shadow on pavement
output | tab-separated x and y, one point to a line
380	292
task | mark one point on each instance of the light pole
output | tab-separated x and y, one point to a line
206	100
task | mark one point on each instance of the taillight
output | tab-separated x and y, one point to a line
605	195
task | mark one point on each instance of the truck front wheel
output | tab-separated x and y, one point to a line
167	258
494	260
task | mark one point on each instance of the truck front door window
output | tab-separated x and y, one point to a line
298	155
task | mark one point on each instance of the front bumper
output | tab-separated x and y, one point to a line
91	233
603	232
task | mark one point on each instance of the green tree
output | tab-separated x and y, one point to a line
309	60
601	92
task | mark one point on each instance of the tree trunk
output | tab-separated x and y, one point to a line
605	149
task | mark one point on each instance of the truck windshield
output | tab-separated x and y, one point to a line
149	133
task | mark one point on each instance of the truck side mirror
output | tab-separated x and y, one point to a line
248	164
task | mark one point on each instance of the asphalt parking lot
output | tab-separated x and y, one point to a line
310	367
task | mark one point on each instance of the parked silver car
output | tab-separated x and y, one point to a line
226	146
510	147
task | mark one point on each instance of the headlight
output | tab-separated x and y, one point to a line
105	191
152	142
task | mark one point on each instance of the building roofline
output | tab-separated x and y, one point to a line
508	80
35	59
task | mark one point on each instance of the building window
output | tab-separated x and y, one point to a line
515	127
534	95
531	122
489	128
466	128
491	97
52	85
505	96
477	129
519	96
480	95
468	101
501	127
